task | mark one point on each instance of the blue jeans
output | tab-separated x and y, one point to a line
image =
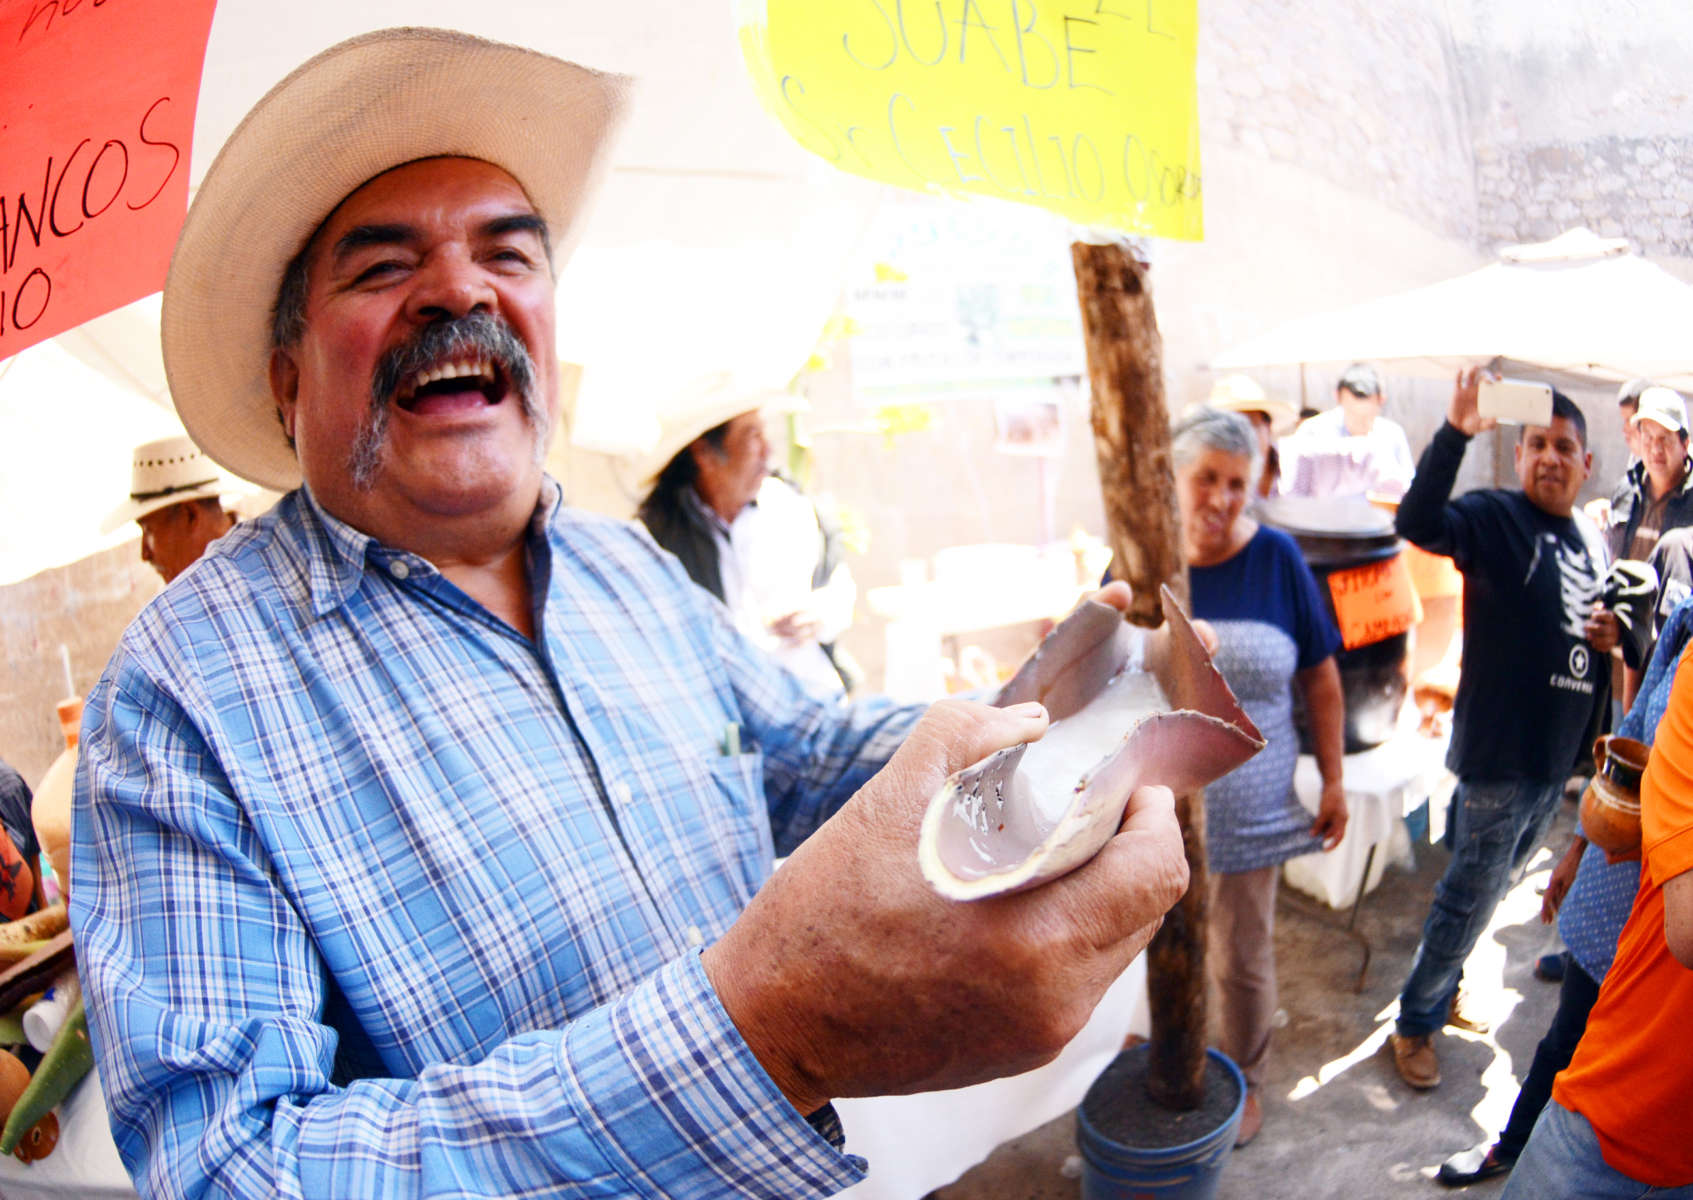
1562	1159
1496	823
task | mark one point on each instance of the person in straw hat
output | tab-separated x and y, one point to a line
750	537
176	495
418	830
1271	419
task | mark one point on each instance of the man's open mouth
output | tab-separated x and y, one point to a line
451	386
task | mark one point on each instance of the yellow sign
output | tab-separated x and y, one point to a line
1084	107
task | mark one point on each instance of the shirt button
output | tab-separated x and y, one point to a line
696	939
399	568
620	792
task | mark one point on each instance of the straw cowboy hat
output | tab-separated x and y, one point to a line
358	109
705	406
1241	394
169	471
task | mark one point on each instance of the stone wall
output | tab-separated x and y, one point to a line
1582	115
1364	96
1616	186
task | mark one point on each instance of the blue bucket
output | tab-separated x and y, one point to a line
1113	1171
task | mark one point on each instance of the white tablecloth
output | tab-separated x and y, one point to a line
85	1164
918	1143
1383	784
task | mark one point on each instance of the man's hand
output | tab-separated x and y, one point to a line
1462	413
797	627
1558	886
849	976
1332	815
1598	511
1602	629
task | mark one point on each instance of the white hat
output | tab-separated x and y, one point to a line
169	471
1241	394
353	112
1665	406
703	407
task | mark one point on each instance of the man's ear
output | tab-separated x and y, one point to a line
285	387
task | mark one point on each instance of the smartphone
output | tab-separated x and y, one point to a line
1515	401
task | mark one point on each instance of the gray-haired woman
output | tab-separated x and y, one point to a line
1251	583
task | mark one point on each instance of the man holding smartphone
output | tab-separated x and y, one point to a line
1533	686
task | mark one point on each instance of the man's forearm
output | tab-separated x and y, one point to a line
1421	518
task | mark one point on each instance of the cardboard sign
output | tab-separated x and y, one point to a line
97	107
1373	602
1084	107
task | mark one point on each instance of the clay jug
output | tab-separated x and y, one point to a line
51	809
1610	807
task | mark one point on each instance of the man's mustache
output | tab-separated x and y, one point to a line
477	334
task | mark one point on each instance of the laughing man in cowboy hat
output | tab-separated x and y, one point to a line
176	496
418	830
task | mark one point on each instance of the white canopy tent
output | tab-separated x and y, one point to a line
1576	309
717	246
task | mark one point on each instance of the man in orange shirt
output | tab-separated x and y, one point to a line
1618	1123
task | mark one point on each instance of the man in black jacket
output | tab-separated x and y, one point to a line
1534	679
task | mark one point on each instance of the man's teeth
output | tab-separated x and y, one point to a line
481	371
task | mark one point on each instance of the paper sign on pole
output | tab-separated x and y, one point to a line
97	104
1085	107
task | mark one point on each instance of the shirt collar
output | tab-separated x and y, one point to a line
333	575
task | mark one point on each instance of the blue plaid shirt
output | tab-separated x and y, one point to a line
376	897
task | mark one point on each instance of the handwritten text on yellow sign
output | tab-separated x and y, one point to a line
1084	107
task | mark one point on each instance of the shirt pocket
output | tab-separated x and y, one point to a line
740	817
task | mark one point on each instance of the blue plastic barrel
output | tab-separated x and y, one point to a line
1112	1171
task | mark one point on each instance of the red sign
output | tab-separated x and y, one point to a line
97	102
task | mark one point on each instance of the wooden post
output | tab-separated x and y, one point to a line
1131	430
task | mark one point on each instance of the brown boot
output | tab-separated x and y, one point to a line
1415	1060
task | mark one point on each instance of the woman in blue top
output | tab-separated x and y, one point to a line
1251	583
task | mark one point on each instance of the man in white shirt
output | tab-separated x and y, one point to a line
1351	450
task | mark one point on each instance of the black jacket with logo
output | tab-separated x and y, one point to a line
1532	691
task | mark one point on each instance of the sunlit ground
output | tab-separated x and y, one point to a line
1487	996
